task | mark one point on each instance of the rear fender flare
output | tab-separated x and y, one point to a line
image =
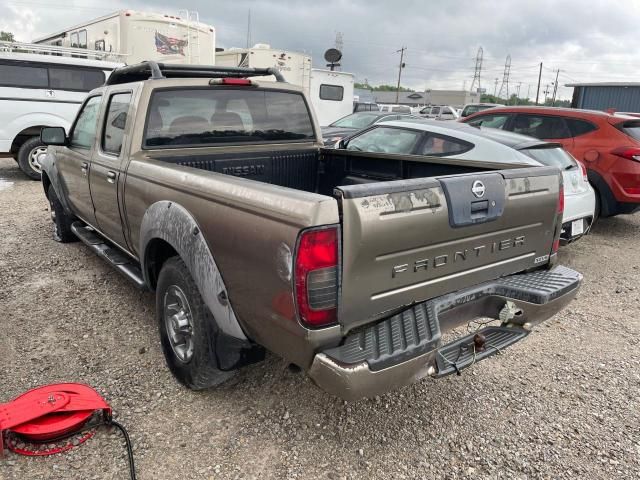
172	223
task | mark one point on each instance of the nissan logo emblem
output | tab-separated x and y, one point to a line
478	189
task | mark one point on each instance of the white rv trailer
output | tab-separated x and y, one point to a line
331	93
142	36
294	66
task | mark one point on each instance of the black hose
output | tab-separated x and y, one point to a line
132	467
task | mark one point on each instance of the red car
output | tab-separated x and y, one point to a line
608	145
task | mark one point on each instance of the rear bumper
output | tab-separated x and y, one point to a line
403	349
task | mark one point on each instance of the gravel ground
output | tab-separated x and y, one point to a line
561	404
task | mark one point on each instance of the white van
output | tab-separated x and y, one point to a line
41	90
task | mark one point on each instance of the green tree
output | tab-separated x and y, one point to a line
382	88
7	36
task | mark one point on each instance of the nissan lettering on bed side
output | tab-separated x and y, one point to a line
210	187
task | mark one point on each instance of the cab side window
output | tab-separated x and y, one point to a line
115	122
84	130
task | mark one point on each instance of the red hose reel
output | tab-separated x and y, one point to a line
50	413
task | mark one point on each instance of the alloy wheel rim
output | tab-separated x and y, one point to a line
178	322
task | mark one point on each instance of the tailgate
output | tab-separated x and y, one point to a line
411	240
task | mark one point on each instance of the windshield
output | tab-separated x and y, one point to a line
198	117
357	120
554	157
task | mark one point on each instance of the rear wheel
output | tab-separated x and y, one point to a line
187	328
30	157
61	221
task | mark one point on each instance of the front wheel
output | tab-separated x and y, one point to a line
187	328
30	157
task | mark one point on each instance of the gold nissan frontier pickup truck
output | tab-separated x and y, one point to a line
210	186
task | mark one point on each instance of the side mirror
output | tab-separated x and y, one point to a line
53	136
342	144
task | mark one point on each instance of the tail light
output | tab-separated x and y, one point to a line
585	177
231	81
630	153
561	200
559	212
316	276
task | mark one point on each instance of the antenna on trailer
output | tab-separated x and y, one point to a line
333	56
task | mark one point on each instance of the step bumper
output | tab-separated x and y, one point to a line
408	346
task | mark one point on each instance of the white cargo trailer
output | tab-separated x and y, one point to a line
331	94
142	36
294	66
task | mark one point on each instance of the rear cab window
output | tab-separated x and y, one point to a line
194	117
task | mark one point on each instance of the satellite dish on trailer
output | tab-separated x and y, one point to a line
333	55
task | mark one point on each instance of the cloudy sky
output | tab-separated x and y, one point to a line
592	40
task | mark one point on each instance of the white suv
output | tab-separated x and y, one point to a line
439	112
38	91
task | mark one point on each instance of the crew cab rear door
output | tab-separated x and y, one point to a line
107	163
407	241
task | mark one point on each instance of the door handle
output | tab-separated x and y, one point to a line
84	167
111	176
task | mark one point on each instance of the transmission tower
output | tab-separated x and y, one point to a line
477	71
504	86
339	41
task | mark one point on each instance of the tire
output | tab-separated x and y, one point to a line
61	220
28	157
187	328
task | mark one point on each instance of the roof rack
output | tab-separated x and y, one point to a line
150	70
43	49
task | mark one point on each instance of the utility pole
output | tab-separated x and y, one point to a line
518	93
528	90
555	89
539	77
477	71
495	88
401	52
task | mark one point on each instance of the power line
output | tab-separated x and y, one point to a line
477	70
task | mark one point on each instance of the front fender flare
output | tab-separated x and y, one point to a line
172	223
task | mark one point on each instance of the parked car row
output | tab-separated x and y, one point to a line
608	145
486	146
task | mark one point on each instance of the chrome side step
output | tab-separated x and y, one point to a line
123	264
